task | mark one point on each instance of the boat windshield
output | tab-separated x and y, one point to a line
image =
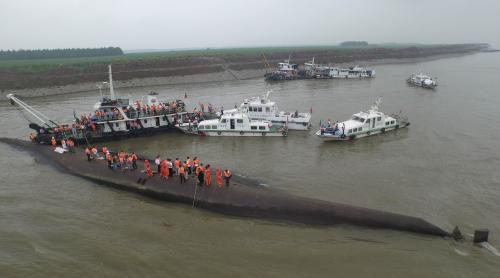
356	118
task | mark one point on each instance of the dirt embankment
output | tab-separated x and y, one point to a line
219	67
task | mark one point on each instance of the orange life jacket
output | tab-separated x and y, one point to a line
227	173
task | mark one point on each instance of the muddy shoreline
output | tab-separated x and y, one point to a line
226	71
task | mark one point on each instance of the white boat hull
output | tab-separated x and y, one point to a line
329	137
241	133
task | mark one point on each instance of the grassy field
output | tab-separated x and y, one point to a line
41	65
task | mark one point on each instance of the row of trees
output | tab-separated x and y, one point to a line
59	53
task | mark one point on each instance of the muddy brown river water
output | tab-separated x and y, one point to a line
443	168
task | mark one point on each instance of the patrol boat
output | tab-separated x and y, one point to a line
113	118
262	108
422	80
234	124
362	124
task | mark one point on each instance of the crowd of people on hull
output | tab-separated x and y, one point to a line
165	168
184	169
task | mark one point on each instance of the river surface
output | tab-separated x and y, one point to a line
443	168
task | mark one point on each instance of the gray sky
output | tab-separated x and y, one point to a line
163	24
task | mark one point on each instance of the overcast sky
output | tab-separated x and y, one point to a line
165	24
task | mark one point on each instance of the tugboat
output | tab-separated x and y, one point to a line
422	80
234	124
362	124
262	108
286	71
113	118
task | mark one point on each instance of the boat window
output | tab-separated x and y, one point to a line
145	121
214	127
253	127
262	128
223	121
207	127
201	127
250	108
117	125
392	122
379	118
260	109
355	130
386	123
268	109
368	121
240	121
359	129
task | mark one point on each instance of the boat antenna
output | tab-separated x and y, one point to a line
268	93
376	104
111	88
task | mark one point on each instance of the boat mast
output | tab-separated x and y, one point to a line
111	88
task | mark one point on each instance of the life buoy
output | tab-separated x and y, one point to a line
241	132
179	109
284	133
219	133
383	130
88	135
397	126
368	132
263	134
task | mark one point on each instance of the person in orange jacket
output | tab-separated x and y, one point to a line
218	177
147	168
53	141
164	169
208	175
182	175
177	165
200	172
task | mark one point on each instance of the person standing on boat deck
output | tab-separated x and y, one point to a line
177	165
329	123
182	177
201	175
164	169
188	162
343	128
53	142
87	152
208	175
218	177
227	176
170	168
147	168
157	162
134	160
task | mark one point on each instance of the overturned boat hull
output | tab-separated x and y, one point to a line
243	197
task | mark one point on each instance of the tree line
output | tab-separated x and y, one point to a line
23	54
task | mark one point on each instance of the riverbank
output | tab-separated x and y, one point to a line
215	68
